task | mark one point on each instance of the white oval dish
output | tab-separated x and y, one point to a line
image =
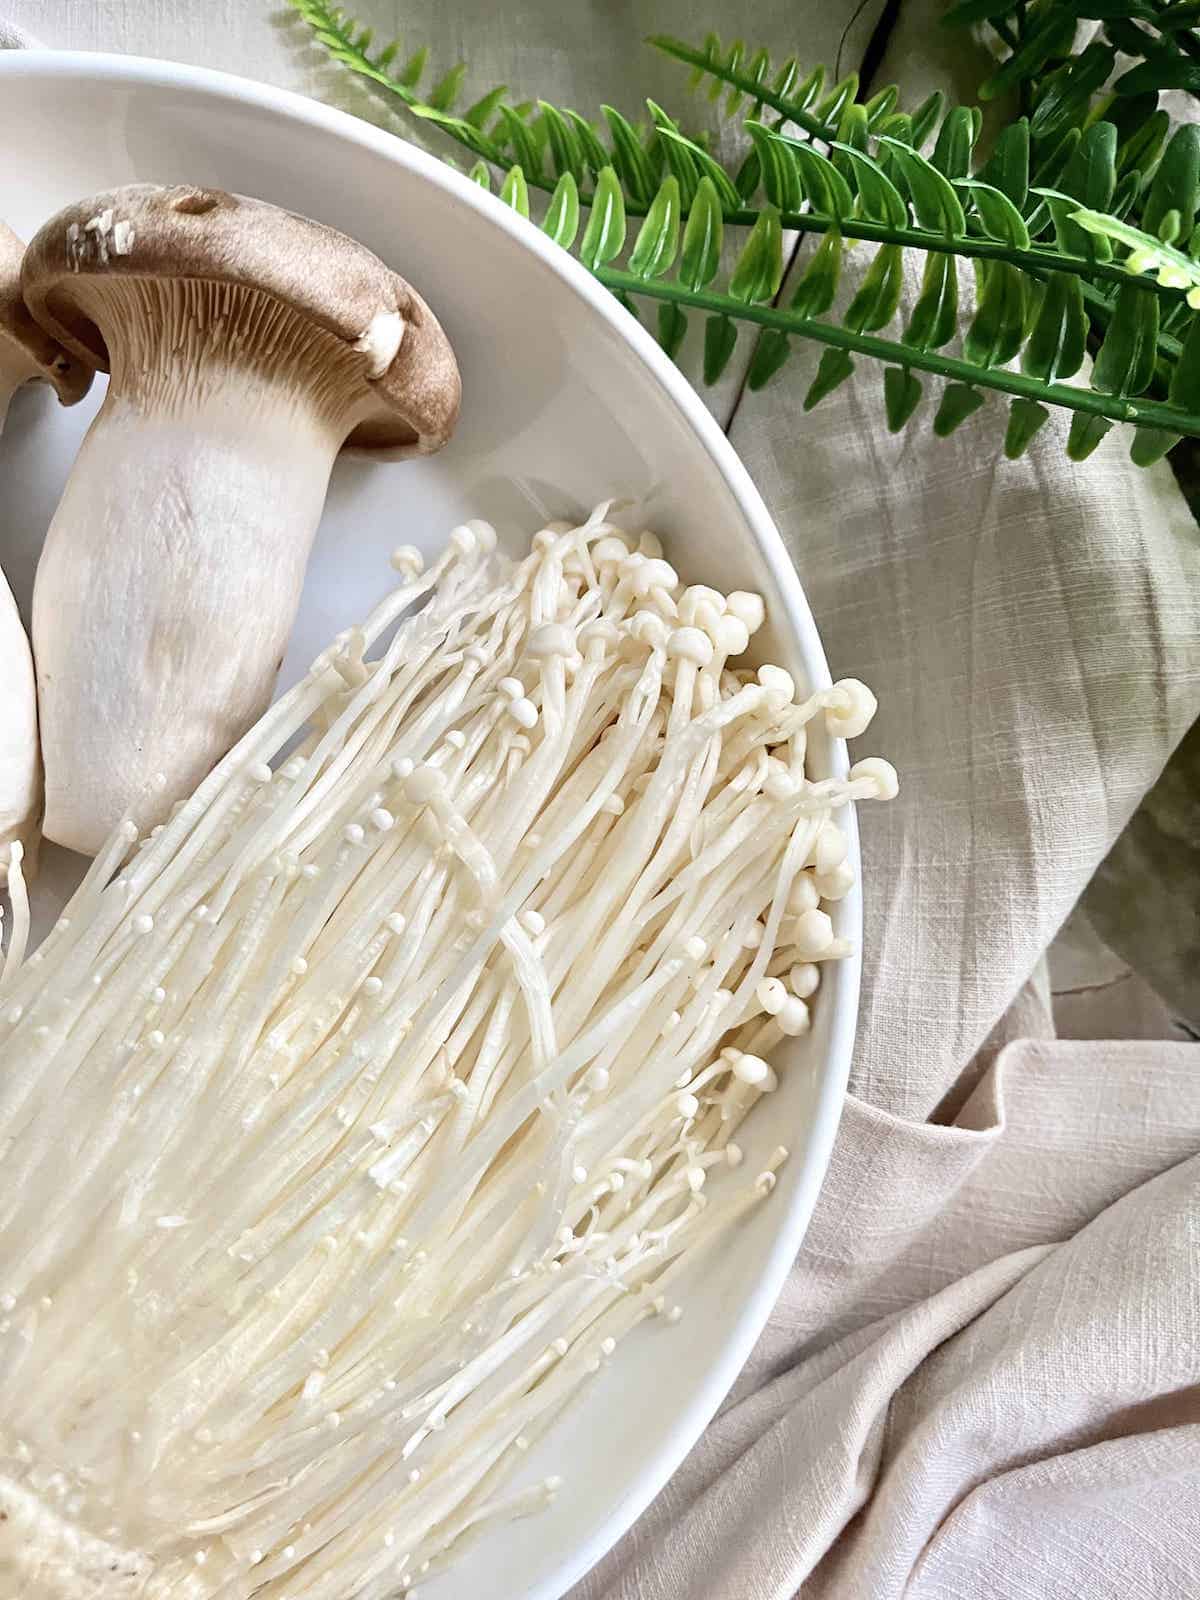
566	401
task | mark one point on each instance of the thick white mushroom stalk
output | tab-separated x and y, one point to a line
354	1118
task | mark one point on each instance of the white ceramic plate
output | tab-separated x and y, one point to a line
567	401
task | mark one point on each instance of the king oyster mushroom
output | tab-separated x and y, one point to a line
245	346
27	353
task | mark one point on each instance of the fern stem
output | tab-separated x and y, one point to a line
1034	260
1144	413
1037	261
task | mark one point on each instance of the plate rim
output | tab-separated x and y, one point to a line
685	1429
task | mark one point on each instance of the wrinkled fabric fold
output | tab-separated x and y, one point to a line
987	1345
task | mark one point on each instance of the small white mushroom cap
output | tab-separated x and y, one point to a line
849	707
880	774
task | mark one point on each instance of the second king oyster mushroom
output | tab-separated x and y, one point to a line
246	345
27	355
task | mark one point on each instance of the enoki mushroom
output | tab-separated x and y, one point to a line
353	1118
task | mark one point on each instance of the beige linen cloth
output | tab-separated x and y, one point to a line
983	1376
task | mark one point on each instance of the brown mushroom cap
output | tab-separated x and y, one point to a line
148	231
27	351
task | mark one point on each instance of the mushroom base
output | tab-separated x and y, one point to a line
166	592
45	1557
46	1554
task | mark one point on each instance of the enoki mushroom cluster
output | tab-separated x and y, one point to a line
354	1117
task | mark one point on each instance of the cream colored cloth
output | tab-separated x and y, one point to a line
983	1377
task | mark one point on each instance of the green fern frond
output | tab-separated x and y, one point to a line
1050	344
514	140
800	104
1159	37
543	139
1049	222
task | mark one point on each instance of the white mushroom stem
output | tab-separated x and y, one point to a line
172	569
